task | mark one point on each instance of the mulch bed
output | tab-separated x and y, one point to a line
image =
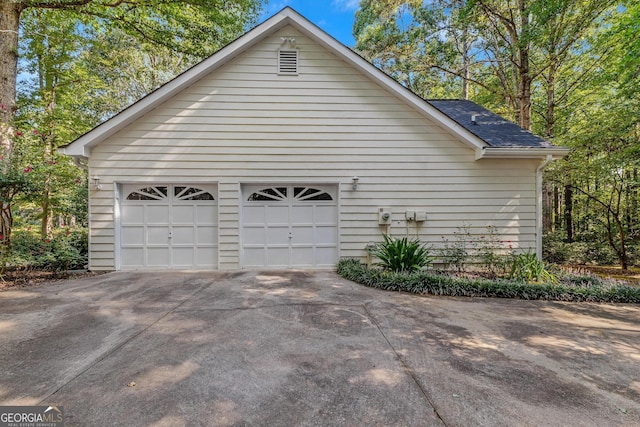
16	279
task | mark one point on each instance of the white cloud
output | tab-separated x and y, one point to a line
346	5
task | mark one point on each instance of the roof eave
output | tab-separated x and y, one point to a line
521	152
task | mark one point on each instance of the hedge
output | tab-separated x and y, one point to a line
427	282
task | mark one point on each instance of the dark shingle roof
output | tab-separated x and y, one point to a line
490	127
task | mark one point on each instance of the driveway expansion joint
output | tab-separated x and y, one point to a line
406	367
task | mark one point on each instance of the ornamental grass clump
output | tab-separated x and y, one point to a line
401	255
529	268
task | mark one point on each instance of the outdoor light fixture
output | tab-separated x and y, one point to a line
95	182
354	183
290	40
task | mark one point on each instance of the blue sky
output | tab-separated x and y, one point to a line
333	16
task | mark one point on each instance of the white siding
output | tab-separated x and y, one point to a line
246	123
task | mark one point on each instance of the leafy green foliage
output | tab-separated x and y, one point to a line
424	282
528	268
401	254
67	250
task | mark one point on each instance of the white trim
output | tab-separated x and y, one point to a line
521	152
117	231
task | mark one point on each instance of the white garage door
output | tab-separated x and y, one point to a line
169	226
289	226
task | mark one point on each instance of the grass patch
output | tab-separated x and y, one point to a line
429	282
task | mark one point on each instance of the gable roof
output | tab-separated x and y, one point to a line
81	147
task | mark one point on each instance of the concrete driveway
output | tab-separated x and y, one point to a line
309	348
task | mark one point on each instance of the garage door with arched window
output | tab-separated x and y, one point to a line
168	227
289	226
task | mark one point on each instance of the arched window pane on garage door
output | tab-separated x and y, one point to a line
160	193
149	193
300	194
266	194
310	194
191	193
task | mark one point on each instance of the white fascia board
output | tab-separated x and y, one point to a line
81	147
384	80
521	153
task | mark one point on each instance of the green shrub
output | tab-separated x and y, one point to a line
67	250
528	268
428	282
401	254
587	249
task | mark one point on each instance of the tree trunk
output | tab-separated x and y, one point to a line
557	208
524	88
46	226
568	212
547	208
9	26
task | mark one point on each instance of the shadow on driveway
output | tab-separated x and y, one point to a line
310	348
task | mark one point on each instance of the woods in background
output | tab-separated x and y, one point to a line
567	70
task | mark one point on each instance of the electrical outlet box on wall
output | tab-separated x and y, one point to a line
384	216
420	216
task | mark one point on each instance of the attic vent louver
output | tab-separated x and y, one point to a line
288	61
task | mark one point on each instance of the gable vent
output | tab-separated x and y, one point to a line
288	62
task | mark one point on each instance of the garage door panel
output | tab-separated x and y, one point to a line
207	235
157	214
277	215
157	235
255	257
277	235
302	256
302	215
254	236
158	257
132	256
183	235
206	257
206	214
182	257
325	215
278	257
326	257
301	235
132	214
132	235
183	215
323	235
253	215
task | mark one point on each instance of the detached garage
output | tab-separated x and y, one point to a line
286	149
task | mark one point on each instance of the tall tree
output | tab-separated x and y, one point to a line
415	43
196	27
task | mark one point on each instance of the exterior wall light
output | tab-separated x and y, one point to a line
354	183
95	182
